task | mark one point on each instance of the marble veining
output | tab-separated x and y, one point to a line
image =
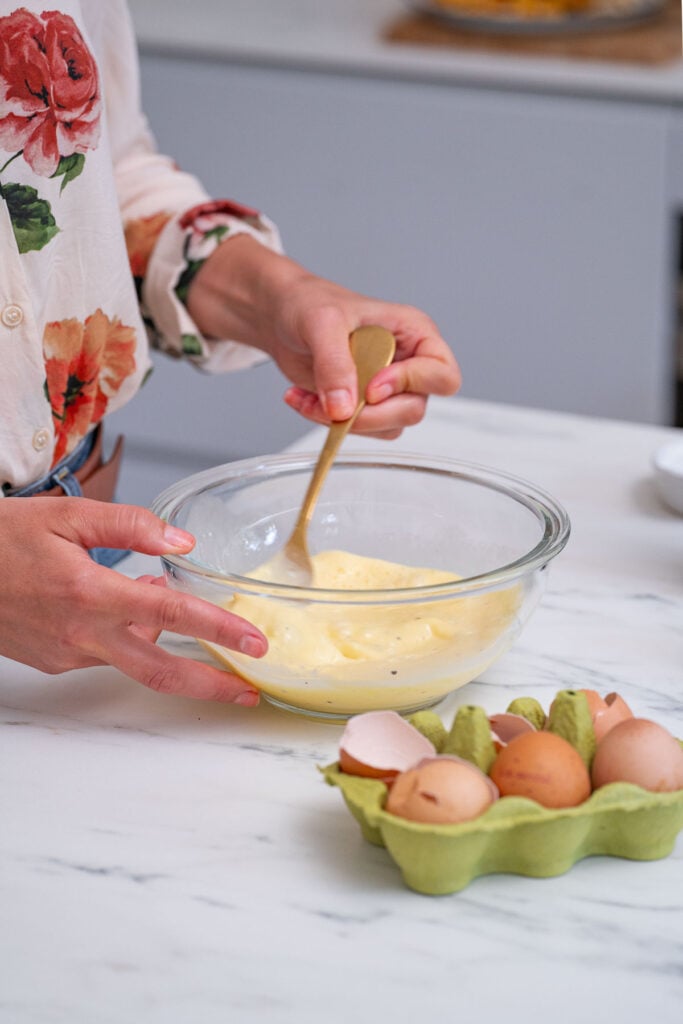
165	860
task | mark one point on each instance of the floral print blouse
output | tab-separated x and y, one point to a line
100	235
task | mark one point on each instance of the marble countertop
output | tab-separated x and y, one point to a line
166	861
346	36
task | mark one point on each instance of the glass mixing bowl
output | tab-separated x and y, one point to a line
487	537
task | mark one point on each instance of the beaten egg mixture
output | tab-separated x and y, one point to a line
347	658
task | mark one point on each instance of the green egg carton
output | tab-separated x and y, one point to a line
515	835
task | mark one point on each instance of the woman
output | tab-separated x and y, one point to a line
106	247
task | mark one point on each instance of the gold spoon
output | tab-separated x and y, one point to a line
372	348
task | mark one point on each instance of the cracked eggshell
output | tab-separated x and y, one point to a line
506	726
380	745
606	712
642	752
443	790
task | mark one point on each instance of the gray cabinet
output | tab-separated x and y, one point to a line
539	231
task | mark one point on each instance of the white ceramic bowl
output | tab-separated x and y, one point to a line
337	652
667	464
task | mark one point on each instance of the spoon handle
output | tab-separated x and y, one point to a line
335	435
372	349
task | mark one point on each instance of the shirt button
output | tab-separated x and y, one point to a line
41	439
12	316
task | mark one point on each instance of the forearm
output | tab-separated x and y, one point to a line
237	293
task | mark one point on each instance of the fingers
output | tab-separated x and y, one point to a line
125	618
326	335
424	365
92	524
148	632
385	420
390	417
419	375
167	673
157	607
307	404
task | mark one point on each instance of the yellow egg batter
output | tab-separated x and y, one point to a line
347	658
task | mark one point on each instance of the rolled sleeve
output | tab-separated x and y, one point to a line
184	243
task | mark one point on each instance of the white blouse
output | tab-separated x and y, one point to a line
100	234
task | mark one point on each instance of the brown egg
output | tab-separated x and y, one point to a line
441	790
642	752
543	767
380	744
607	712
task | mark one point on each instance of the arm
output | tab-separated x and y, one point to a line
248	292
270	302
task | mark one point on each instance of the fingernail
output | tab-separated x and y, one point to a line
381	392
294	392
178	539
248	699
338	404
252	645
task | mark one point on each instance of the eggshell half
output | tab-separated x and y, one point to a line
380	744
506	726
441	790
642	752
607	712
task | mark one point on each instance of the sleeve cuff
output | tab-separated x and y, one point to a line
183	245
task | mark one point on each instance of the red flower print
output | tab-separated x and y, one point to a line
49	89
86	364
226	206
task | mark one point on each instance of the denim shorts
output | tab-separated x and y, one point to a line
62	475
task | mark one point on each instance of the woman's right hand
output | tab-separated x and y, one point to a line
59	610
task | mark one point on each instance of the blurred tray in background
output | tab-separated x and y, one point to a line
627	31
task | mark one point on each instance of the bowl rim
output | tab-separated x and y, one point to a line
660	459
548	510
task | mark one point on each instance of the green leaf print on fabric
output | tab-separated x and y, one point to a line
191	345
192	265
68	168
186	278
32	220
219	232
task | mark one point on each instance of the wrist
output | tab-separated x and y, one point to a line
238	290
